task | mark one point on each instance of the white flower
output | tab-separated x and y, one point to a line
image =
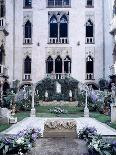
20	140
95	146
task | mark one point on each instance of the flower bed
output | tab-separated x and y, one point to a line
20	143
96	144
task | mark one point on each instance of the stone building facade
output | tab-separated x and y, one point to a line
4	84
58	38
113	33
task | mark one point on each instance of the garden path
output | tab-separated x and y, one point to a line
38	122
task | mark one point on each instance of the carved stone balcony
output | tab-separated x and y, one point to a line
89	40
3	71
3	26
27	77
113	25
58	75
89	76
61	40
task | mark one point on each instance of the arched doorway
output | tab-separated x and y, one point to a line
58	65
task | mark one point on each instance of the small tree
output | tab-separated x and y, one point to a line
103	84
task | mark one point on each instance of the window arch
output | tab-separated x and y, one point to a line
89	64
53	27
58	65
27	3
67	65
2	54
27	65
49	65
89	28
63	26
28	29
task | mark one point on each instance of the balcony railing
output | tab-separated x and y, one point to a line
89	76
27	77
58	4
27	40
89	40
58	75
61	40
113	25
2	23
3	70
113	69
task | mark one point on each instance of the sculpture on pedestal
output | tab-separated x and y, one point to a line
70	95
46	95
58	88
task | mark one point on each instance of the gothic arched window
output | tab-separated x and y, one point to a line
53	27
89	64
49	65
27	65
28	29
63	26
27	3
89	28
67	65
58	65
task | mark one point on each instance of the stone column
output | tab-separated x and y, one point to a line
1	93
113	113
58	32
32	114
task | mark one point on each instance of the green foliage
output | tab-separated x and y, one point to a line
50	85
23	105
103	84
8	99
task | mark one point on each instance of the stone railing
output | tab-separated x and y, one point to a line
113	25
89	76
2	23
27	77
59	4
27	40
58	75
89	40
61	40
3	70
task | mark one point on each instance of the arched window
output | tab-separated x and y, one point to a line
27	65
63	26
58	65
49	65
89	28
2	54
67	65
89	64
28	29
27	3
2	10
89	3
53	27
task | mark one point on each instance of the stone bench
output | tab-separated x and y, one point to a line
60	129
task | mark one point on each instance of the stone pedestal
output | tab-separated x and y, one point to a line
113	113
86	112
32	114
60	128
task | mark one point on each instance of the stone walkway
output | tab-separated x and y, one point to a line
59	146
37	122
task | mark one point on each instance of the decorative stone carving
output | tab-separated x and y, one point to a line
60	128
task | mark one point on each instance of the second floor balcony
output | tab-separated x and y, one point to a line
113	25
3	71
58	75
61	40
3	26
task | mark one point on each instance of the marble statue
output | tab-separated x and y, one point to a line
46	94
58	88
70	94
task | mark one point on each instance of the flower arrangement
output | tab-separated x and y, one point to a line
20	143
58	110
96	144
